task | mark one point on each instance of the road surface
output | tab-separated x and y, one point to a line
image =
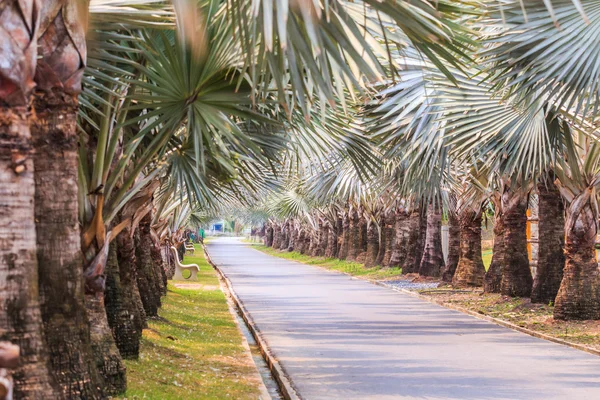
342	338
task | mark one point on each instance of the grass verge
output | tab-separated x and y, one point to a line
349	267
521	312
194	349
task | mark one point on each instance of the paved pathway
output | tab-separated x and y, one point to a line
343	338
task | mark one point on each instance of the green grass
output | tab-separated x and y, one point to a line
349	267
487	258
194	349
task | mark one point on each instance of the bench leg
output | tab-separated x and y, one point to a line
178	276
194	275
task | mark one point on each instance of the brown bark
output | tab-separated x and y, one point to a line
269	235
412	242
147	281
59	249
331	249
354	244
399	250
293	236
363	226
388	237
159	264
339	230
107	356
123	304
345	237
516	274
20	317
470	270
551	256
453	247
432	262
285	235
493	276
322	239
372	245
276	235
578	297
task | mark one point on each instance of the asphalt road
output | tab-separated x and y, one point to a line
343	338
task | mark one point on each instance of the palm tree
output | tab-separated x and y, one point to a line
21	318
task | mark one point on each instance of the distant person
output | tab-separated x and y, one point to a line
201	235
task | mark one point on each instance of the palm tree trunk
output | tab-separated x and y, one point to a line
363	226
413	246
20	319
389	236
124	307
516	274
148	286
453	247
60	65
285	236
269	235
470	270
493	276
372	244
432	262
293	236
323	238
551	256
331	250
276	235
345	241
339	231
578	297
354	237
399	251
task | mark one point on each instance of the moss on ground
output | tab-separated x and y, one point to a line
349	267
194	349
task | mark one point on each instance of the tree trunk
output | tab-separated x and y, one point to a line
159	264
372	245
59	249
20	318
413	245
301	245
389	237
578	297
354	237
20	315
339	230
323	239
516	274
399	250
148	286
107	356
276	235
551	239
293	236
123	304
285	236
493	276
453	247
269	235
345	242
331	250
363	225
432	262
470	270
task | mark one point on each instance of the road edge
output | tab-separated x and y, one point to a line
475	314
283	381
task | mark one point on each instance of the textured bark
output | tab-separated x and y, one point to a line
20	318
332	238
345	239
354	245
59	250
388	237
453	247
578	297
107	356
322	239
516	273
399	251
147	281
269	235
412	242
432	262
285	236
551	256
301	244
470	270
159	265
372	245
123	304
363	226
339	230
493	276
293	236
276	235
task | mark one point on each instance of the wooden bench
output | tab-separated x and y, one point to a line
179	268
